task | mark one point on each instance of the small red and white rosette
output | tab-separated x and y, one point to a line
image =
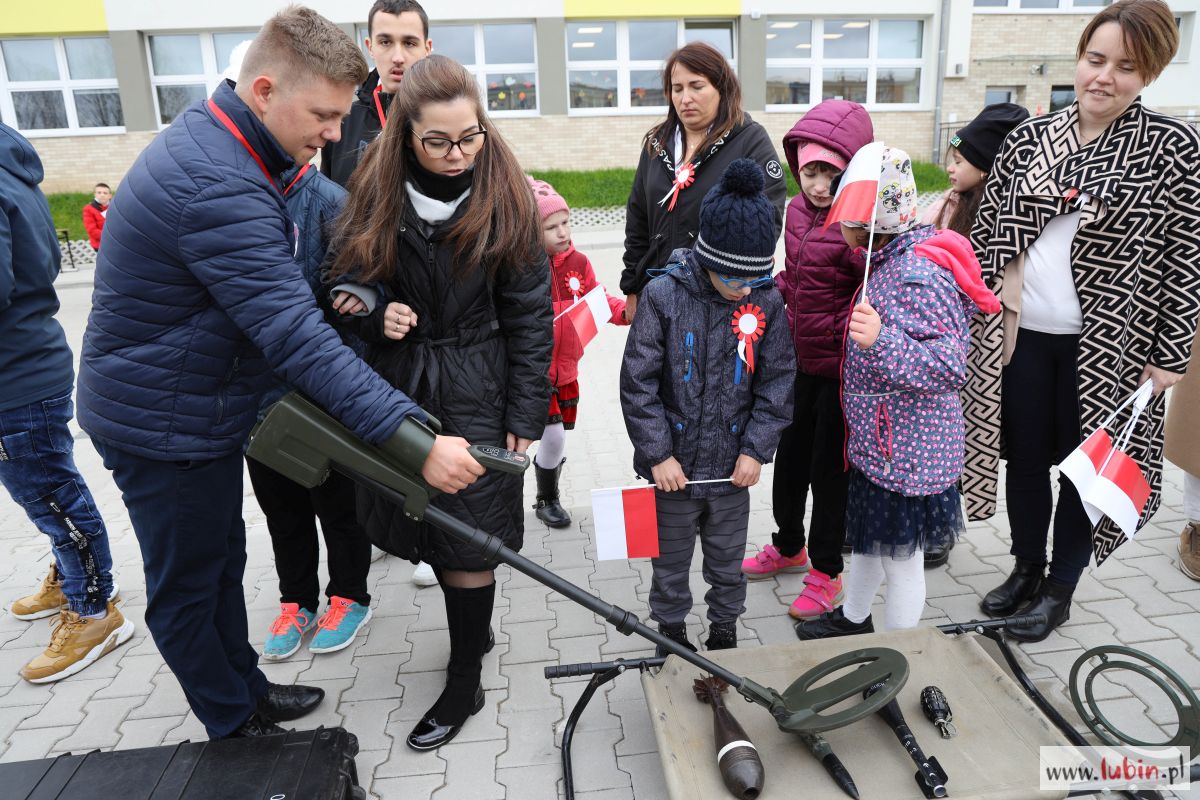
574	282
749	323
684	177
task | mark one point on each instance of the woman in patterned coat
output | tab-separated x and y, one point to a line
1089	231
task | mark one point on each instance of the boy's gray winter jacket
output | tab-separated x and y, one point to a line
682	391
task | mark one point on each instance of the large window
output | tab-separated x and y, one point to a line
503	58
617	65
59	85
873	62
186	67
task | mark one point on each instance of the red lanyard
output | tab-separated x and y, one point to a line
379	106
237	134
296	179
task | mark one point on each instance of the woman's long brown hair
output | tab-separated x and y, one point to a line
703	59
500	228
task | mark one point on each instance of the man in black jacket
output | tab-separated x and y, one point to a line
397	38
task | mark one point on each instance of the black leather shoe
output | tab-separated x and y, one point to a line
491	642
830	624
547	507
676	633
1054	601
1018	589
256	725
284	703
430	734
938	554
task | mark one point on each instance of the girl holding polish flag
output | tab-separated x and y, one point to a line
905	361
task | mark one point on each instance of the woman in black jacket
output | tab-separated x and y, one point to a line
684	156
441	215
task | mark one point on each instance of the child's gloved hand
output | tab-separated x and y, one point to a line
864	325
668	476
746	471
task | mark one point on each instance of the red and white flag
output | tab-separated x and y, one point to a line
859	187
588	314
1109	482
626	522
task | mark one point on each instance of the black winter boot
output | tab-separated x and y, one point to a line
1054	601
831	624
548	509
676	633
721	636
468	616
1017	590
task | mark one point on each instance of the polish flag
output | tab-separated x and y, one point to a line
625	521
588	314
1109	482
859	187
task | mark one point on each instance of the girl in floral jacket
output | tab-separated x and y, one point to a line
905	361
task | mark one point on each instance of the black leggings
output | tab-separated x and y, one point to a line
1040	419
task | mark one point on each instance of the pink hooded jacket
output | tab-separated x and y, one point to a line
821	273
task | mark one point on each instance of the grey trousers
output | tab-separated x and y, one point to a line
721	523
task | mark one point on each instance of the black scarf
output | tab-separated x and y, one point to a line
438	187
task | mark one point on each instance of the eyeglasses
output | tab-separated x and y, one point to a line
737	284
440	146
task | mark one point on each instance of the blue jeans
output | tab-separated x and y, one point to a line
187	516
37	467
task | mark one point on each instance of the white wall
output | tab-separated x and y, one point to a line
1178	85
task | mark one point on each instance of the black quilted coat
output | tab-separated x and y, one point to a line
479	361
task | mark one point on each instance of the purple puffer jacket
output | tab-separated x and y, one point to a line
821	274
904	422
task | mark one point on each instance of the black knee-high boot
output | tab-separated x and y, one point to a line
468	616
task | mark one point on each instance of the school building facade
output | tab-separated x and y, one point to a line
573	84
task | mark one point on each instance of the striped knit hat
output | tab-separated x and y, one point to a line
737	224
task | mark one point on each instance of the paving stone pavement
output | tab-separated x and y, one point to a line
379	686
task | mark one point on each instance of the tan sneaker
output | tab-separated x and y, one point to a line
1189	551
46	601
76	642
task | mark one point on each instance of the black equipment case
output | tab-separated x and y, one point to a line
301	765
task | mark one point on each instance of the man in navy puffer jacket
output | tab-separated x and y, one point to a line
197	298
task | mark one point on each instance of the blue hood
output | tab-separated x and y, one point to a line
18	157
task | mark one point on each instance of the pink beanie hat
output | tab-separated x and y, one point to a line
548	200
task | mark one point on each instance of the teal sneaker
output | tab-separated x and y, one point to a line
339	626
287	631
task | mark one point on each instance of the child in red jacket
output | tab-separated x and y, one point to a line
570	279
94	213
818	285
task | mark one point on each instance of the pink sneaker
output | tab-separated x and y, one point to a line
821	593
770	561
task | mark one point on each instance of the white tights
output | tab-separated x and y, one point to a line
552	446
905	589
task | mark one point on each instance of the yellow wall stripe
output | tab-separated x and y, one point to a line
633	9
59	17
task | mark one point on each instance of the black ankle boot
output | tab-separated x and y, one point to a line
468	618
831	624
676	633
1017	590
721	636
548	509
1054	601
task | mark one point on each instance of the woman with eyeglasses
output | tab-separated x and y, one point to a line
684	156
440	215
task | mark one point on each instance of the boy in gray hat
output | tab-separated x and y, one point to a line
706	390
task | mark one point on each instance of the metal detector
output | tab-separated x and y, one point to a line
303	443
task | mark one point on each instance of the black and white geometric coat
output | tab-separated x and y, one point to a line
1136	264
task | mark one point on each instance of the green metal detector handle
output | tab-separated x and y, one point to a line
499	459
798	709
